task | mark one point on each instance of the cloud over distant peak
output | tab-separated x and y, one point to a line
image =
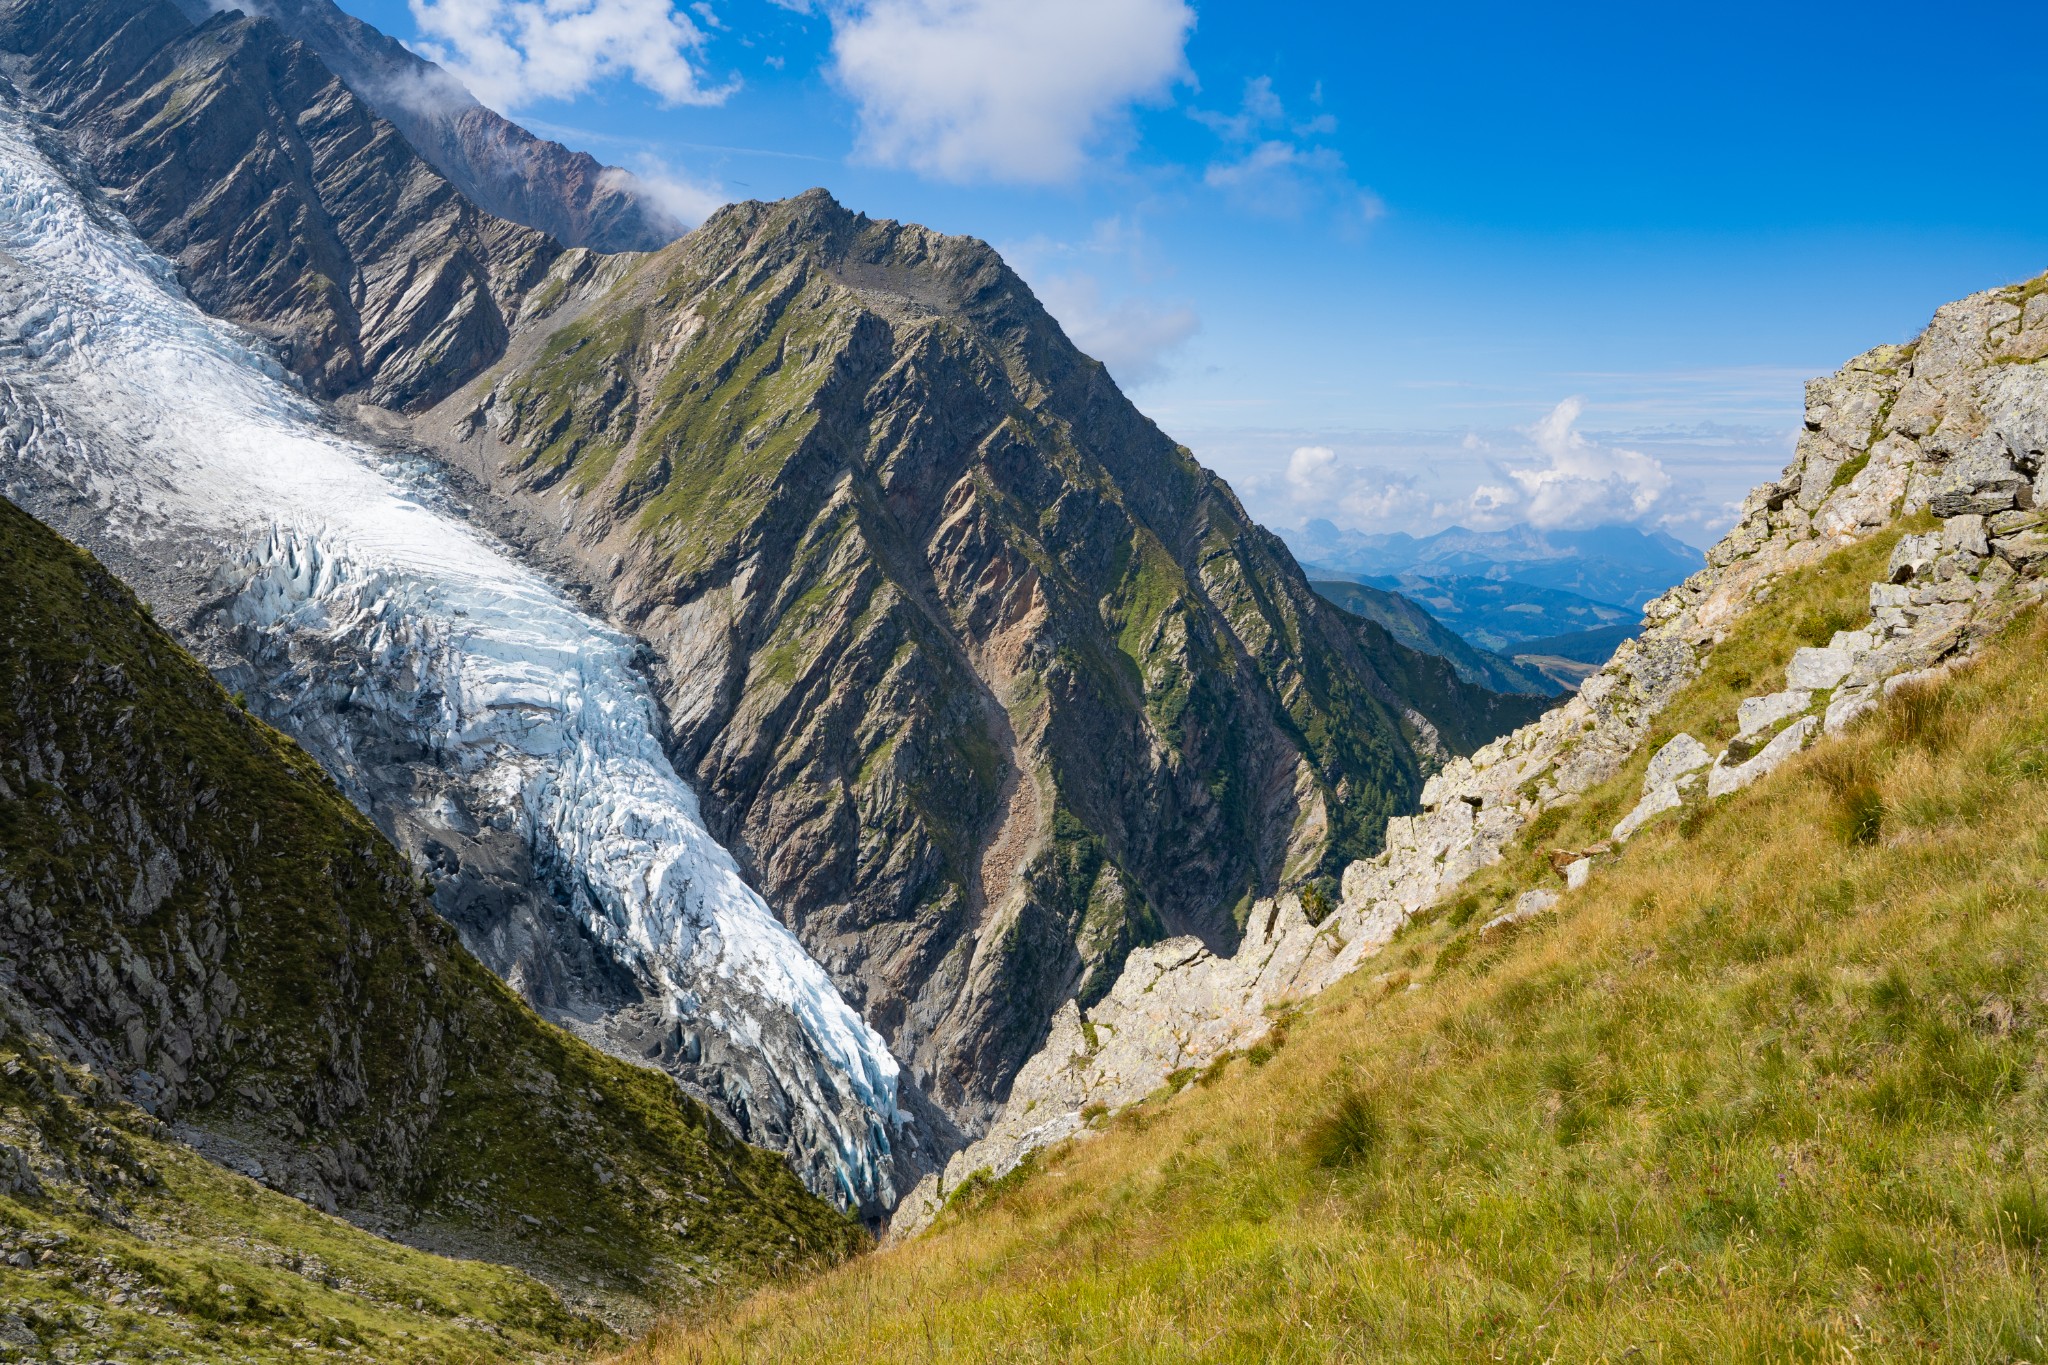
512	52
997	90
1583	483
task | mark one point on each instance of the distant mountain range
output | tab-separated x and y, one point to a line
1612	564
1504	616
1408	621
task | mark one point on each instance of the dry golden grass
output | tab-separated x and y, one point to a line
1771	1087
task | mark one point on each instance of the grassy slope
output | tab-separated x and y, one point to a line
148	1248
528	1145
1769	1088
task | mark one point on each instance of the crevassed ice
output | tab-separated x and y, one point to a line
194	429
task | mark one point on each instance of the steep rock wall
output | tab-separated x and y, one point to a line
1952	428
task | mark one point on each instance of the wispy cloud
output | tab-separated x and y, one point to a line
996	90
1132	332
1554	473
1271	164
1133	336
511	52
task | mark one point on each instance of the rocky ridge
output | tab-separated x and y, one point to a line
502	168
287	204
1951	430
994	681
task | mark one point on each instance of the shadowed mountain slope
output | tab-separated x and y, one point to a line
191	911
990	677
501	167
288	205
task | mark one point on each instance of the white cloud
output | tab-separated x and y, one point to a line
1311	473
1581	482
684	199
511	52
1273	167
1132	336
1001	90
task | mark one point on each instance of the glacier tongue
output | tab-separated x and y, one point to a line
174	446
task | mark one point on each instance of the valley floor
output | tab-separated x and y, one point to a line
1769	1087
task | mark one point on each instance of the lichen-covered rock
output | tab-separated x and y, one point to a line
1761	713
1725	777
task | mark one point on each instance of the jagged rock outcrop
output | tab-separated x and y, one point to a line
993	681
502	168
1953	427
288	205
190	909
987	680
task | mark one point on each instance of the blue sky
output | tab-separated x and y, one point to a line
1397	266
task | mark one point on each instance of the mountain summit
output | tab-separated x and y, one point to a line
982	679
993	681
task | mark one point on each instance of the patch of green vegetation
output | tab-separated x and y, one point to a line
309	992
1847	470
1076	878
1770	1092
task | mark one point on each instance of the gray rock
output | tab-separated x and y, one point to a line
1577	873
1761	713
1847	705
1527	906
2025	551
1816	670
1913	557
1965	535
1981	480
1655	802
1682	754
1723	779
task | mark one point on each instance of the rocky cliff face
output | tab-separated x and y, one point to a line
986	680
193	912
994	682
288	205
1948	435
502	168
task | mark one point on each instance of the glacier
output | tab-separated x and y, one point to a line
174	444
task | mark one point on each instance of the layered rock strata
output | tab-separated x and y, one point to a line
1953	427
287	204
502	168
992	679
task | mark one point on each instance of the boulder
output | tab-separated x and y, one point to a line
1913	557
1847	705
1723	779
1682	754
1655	802
1527	906
2025	551
1965	535
1980	480
1760	713
1816	670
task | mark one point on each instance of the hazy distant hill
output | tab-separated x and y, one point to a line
1617	564
1411	623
